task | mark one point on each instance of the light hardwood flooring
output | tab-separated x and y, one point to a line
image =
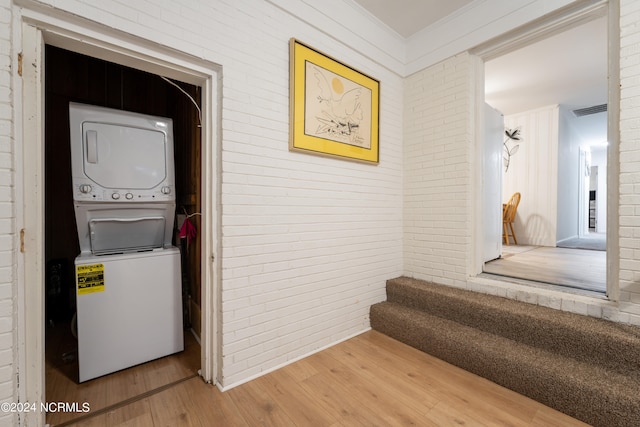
61	375
573	268
369	380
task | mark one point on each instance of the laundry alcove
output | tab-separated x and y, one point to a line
73	77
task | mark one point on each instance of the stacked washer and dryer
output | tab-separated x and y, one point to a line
128	281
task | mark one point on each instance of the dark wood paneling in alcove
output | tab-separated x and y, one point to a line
70	76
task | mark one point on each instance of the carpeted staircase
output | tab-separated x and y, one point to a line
585	367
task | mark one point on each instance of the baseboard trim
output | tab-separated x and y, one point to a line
223	388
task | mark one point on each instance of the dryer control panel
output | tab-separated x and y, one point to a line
86	192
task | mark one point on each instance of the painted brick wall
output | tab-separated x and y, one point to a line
437	171
307	242
7	236
630	159
436	236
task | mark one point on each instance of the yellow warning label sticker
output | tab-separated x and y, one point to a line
90	278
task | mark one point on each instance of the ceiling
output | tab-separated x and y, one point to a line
407	17
569	68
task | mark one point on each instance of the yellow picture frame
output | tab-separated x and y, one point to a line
334	109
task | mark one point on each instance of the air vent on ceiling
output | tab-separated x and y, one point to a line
590	110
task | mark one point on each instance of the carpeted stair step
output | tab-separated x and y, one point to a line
586	391
613	346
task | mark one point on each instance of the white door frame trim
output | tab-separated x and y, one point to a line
33	29
563	19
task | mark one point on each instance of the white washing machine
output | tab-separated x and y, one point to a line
128	281
129	310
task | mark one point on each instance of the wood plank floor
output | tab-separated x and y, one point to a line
574	268
369	380
61	375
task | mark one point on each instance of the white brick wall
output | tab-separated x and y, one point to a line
307	242
630	160
7	258
437	169
436	235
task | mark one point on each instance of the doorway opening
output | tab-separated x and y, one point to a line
30	188
556	95
73	77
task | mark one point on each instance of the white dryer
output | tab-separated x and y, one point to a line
122	169
128	288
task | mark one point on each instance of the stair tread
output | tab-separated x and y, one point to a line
588	339
594	325
506	348
589	392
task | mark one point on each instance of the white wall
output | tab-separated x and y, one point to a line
533	172
437	168
629	212
307	241
421	254
568	175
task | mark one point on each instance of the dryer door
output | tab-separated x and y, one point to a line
124	157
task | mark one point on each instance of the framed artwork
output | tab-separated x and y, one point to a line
334	109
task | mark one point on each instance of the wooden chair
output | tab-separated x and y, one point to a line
508	216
